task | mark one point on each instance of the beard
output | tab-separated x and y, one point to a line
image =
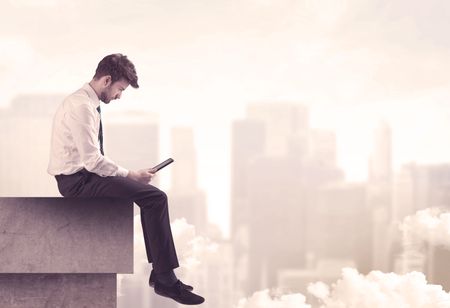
104	97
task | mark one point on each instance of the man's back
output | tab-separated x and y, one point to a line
63	148
74	143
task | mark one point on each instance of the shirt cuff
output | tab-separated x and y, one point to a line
122	172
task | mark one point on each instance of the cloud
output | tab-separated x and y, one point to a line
191	248
383	290
264	299
431	225
319	290
355	290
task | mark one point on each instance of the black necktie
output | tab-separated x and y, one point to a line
100	131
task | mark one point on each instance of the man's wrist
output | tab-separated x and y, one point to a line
122	172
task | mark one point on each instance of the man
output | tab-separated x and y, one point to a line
81	169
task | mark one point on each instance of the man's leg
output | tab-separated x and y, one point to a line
157	232
155	219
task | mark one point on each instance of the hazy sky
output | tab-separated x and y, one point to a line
201	61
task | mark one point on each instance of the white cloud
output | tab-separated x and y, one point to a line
355	290
431	225
264	299
383	290
319	289
191	248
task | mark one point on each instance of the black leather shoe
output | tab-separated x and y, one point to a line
178	294
151	282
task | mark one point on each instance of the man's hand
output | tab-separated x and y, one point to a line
143	176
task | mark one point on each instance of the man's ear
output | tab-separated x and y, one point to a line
106	80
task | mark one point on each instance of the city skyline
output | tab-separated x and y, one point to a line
219	194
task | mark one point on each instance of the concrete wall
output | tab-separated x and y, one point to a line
66	235
57	290
63	252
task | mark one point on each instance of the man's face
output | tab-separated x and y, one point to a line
113	91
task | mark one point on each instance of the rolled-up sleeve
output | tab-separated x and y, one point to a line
82	123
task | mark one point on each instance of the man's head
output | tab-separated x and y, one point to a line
113	75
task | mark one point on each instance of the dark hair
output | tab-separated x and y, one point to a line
117	66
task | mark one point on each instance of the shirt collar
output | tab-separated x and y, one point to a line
91	94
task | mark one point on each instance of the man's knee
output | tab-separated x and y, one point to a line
155	198
162	196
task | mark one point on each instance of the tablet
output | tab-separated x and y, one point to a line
162	165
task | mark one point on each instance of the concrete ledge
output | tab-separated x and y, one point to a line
57	290
66	235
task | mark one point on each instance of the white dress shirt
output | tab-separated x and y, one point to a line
74	142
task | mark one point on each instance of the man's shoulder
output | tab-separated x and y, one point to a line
78	98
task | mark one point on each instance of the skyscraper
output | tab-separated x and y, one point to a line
380	194
248	144
186	199
380	164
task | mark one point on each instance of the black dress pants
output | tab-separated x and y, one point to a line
153	203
